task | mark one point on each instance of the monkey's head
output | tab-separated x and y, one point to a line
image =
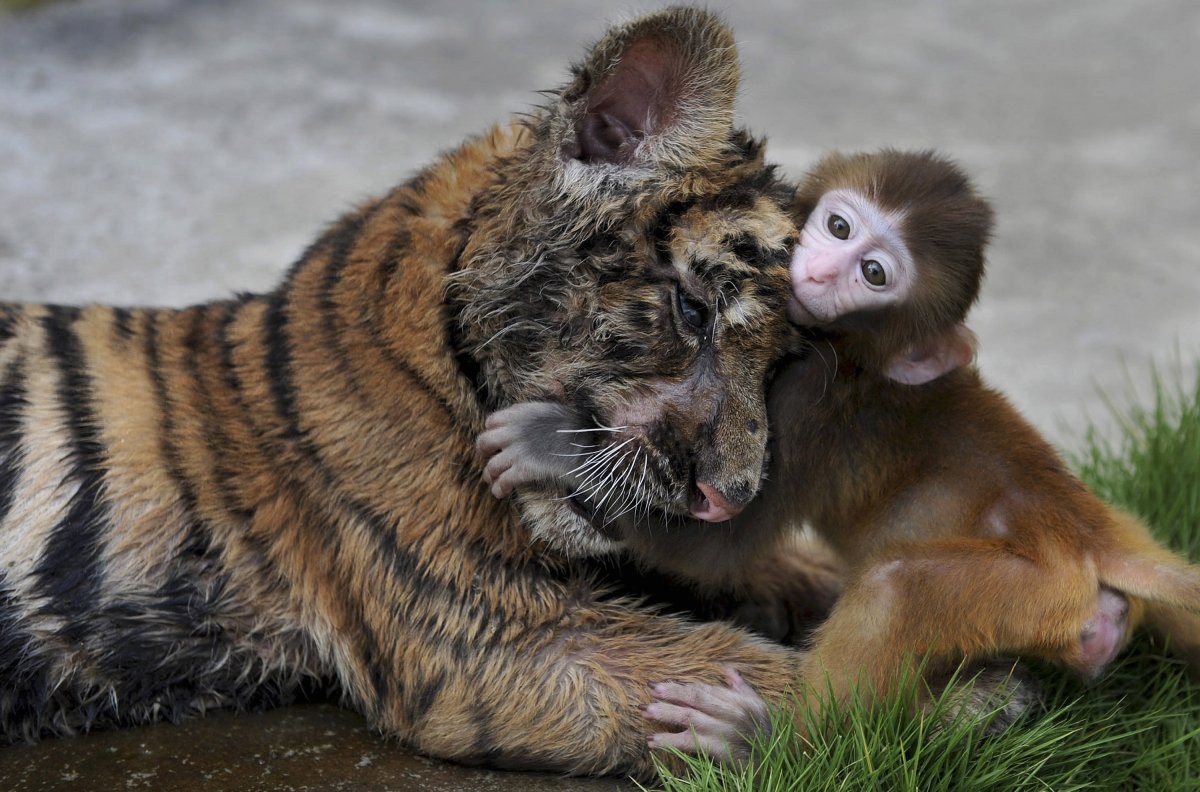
891	252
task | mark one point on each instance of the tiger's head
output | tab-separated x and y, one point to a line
631	261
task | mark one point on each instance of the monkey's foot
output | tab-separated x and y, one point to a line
1103	635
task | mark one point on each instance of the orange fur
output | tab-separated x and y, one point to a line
218	505
964	533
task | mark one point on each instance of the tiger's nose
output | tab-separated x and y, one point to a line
711	506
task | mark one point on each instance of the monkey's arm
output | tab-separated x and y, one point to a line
530	442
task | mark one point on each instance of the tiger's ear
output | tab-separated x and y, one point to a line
658	90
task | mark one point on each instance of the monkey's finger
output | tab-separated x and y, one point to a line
508	481
497	419
720	749
751	701
495	439
719	702
494	472
685	718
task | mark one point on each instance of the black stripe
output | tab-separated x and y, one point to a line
397	249
214	433
166	419
421	696
342	244
484	749
12	405
69	573
8	320
279	375
25	689
225	349
342	241
122	323
746	247
468	366
278	362
749	146
197	548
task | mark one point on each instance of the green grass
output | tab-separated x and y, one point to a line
22	5
1138	728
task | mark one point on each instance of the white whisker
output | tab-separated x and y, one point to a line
593	429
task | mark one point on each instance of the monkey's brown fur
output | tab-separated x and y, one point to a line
963	532
206	507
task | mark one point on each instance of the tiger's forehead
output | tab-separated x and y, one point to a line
738	254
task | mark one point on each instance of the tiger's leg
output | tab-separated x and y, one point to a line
484	656
573	700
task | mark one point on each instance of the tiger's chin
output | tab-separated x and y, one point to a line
569	525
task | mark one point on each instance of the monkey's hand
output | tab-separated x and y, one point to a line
528	442
711	719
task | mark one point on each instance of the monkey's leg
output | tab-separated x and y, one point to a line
722	721
946	600
935	603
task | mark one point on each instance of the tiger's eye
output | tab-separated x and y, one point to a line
838	226
874	272
693	312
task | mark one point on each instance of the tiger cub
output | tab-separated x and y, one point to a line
214	506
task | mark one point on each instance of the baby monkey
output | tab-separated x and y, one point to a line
962	531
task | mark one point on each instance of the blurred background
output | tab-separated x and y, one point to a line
170	151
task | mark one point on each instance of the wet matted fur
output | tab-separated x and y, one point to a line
209	507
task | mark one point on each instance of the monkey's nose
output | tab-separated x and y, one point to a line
820	268
711	506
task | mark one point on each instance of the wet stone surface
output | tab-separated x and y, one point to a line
304	747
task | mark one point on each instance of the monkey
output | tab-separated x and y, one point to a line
962	531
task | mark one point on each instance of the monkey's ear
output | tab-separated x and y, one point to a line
932	357
658	90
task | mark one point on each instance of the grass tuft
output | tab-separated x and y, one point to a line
1138	728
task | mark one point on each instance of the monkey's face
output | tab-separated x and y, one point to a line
851	260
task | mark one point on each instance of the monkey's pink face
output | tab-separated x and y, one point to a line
851	258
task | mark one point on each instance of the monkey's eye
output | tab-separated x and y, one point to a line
838	226
874	272
693	312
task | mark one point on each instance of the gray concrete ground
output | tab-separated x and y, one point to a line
169	151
